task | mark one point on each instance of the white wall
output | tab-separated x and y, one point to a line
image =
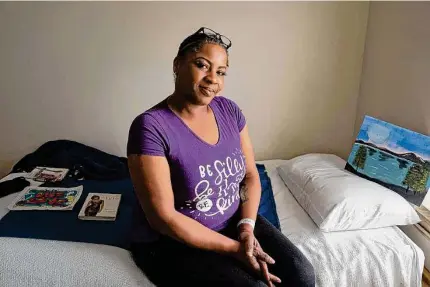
83	71
395	83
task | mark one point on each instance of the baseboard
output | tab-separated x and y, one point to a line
426	278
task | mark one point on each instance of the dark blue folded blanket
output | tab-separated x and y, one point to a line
267	207
65	225
84	162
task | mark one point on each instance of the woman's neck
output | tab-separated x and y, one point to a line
180	105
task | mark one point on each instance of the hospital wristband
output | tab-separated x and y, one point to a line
247	221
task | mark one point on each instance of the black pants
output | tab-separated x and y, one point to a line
167	262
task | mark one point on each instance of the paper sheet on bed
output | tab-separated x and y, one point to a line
378	257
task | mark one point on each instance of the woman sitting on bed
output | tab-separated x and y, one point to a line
192	165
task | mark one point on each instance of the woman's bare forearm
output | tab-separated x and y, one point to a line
250	193
194	234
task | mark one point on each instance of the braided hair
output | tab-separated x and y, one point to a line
195	42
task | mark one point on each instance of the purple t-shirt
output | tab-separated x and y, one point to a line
205	178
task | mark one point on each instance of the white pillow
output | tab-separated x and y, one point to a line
338	200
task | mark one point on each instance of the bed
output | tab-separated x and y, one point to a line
374	257
378	257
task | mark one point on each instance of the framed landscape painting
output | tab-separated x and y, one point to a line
394	157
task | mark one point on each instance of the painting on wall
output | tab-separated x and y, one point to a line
394	157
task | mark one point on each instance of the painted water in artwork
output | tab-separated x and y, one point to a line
394	157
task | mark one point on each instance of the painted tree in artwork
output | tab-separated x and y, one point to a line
416	178
360	157
426	175
423	180
402	163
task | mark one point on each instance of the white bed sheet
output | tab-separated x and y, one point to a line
380	257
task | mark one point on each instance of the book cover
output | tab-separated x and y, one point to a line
46	198
100	206
51	174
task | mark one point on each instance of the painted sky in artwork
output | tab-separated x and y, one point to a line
394	138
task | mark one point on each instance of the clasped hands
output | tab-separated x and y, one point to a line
252	255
